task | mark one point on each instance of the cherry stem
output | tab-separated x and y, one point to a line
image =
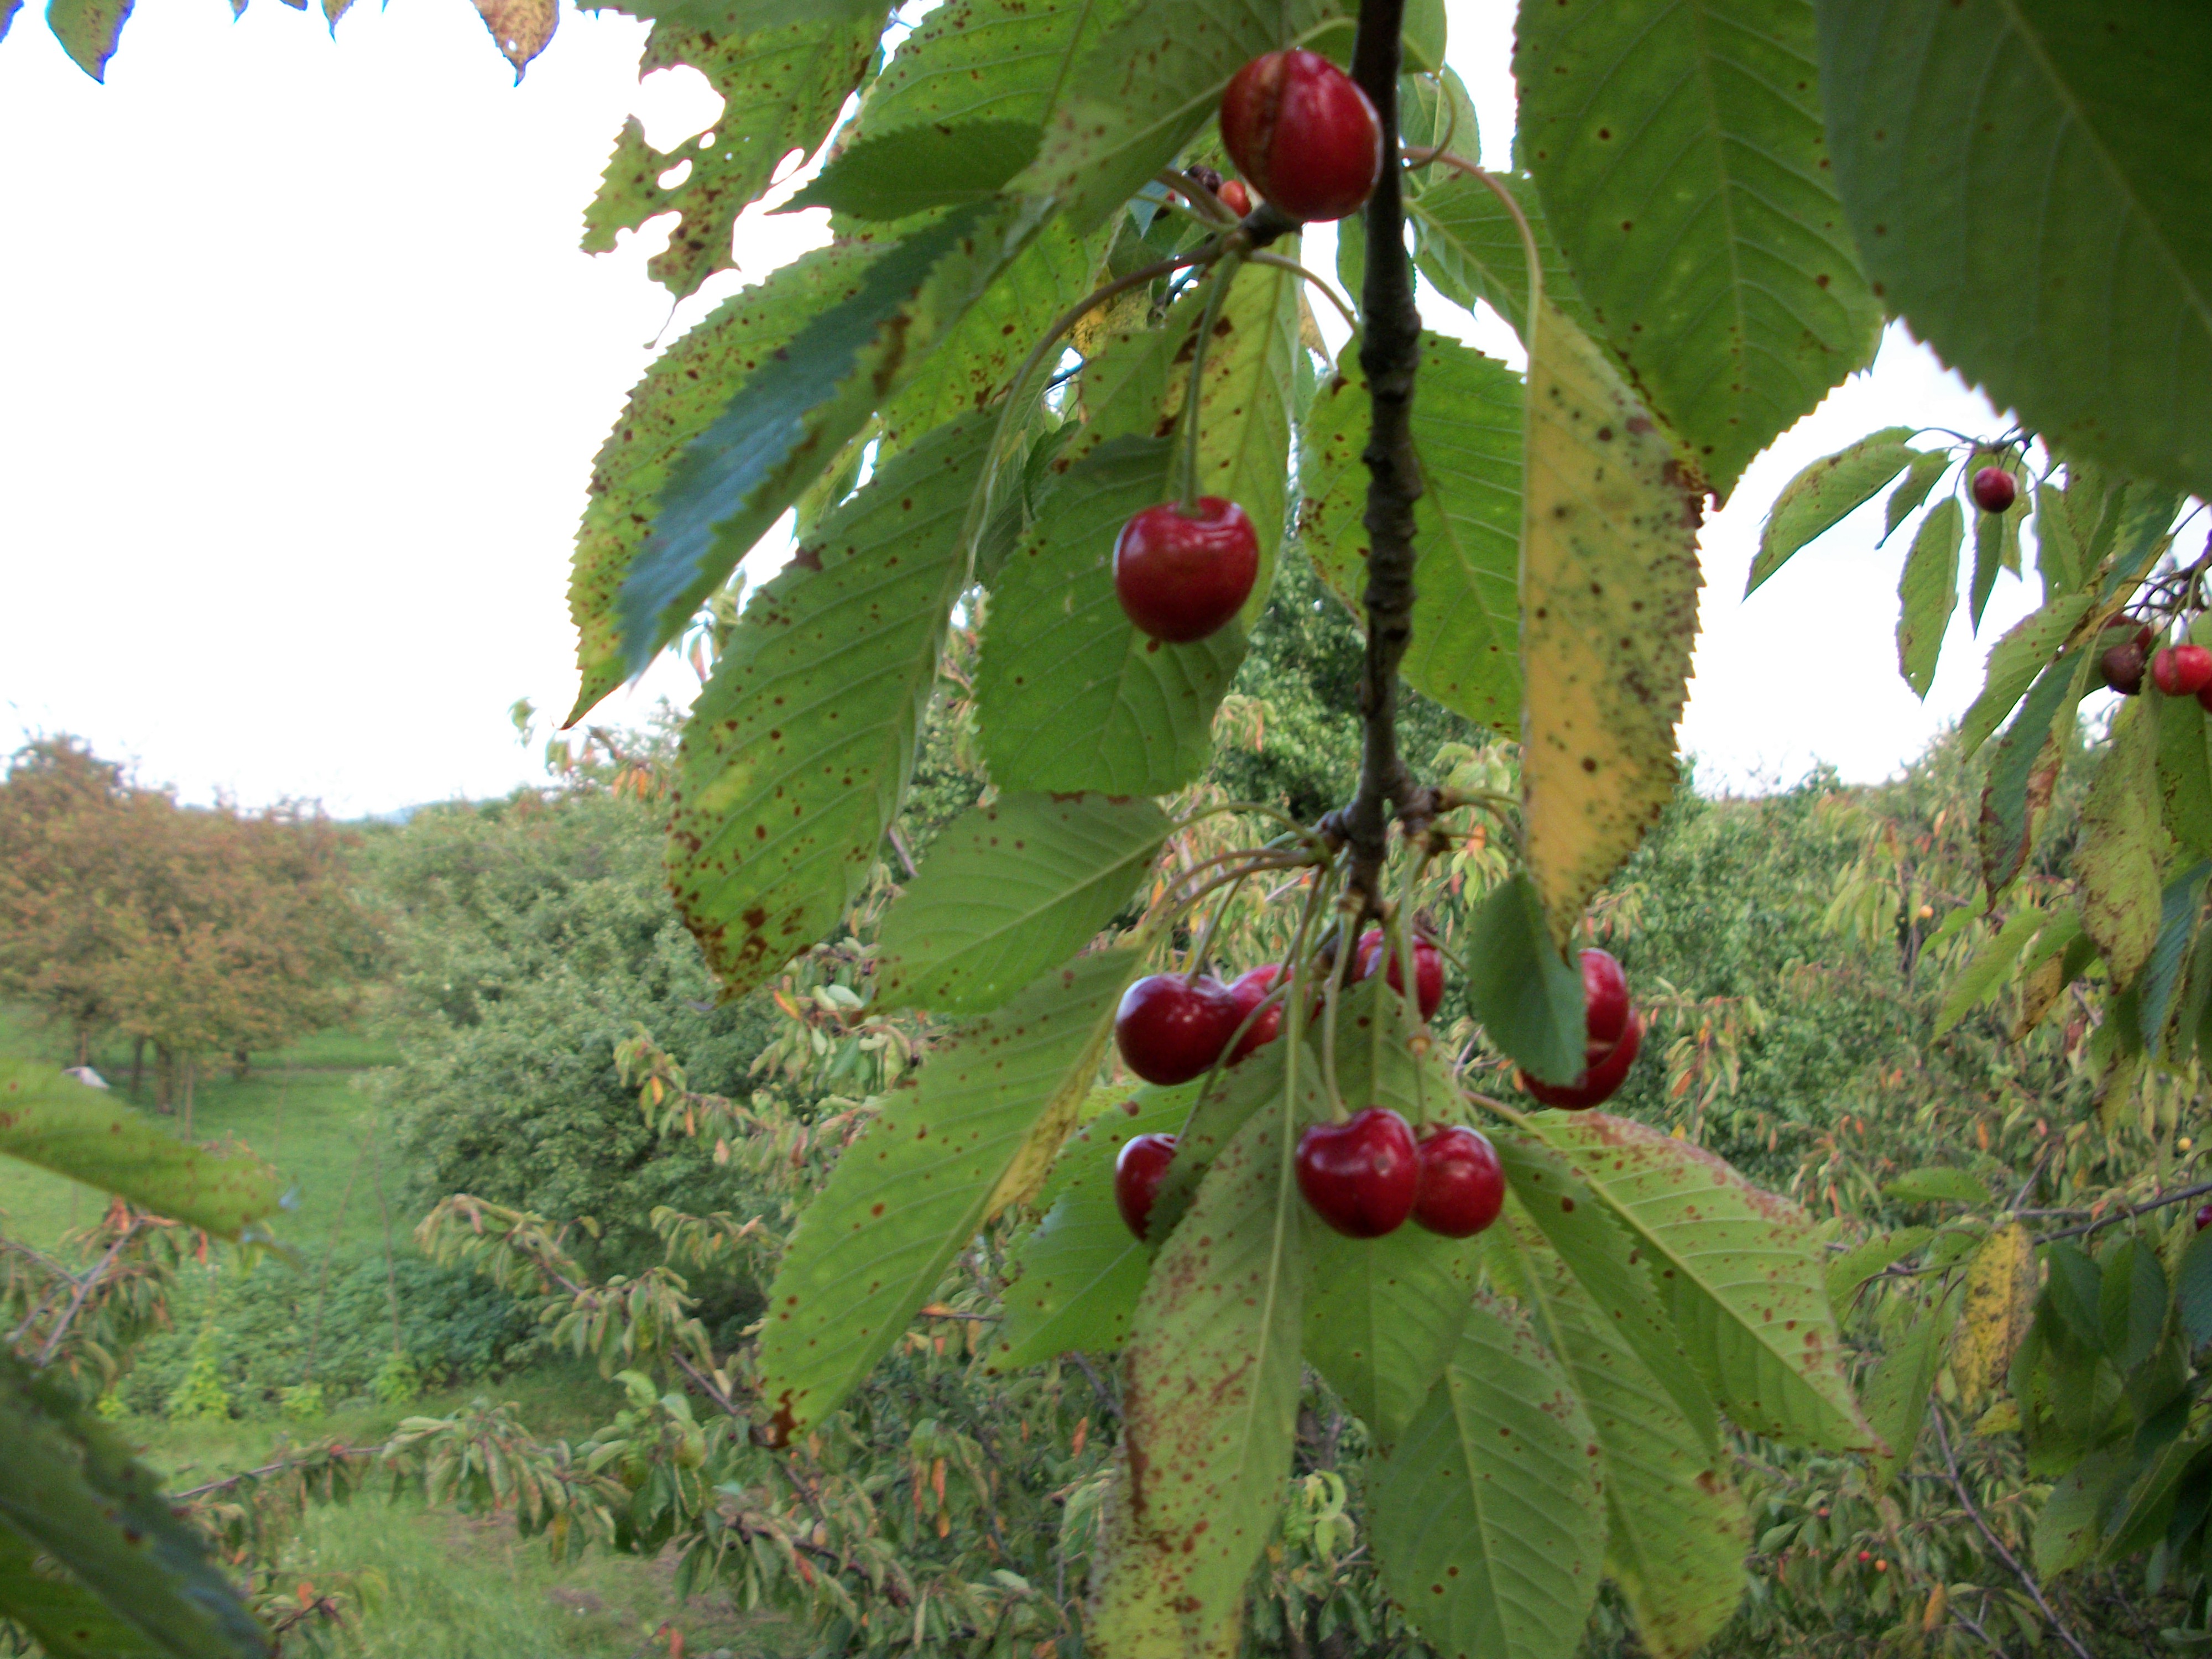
1344	309
1259	807
1518	1119
1445	158
1417	159
1187	485
1213	923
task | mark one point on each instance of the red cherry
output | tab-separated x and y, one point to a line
1304	133
1428	968
1170	1029
1605	998
1993	489
1236	198
1138	1168
2204	1218
1250	988
1603	1069
1462	1185
1360	1176
1179	577
2123	664
2182	671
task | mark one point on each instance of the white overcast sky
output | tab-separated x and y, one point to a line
301	375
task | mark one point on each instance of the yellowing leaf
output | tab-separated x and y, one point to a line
519	28
1608	612
2000	1303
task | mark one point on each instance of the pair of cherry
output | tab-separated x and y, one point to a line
1309	141
1171	1029
1364	1176
1612	1035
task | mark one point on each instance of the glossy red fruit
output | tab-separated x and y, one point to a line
1138	1168
1304	134
1605	998
1603	1070
1360	1176
1428	968
1250	988
2182	671
2123	664
2204	1218
1462	1185
1170	1029
1993	489
1180	577
1236	198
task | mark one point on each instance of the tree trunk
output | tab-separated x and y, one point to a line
138	1064
165	1079
241	1065
191	1075
84	1045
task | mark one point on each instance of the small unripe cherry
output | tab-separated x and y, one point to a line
1304	133
1462	1185
1234	197
2122	664
2182	671
1138	1168
1170	1029
1993	489
1251	988
1181	577
2204	1217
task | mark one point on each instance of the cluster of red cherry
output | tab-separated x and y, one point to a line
1366	1176
1307	139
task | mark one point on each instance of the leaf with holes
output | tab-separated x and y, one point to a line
2075	286
1737	1270
991	1106
799	748
1007	891
1209	1406
1071	695
1466	434
1676	1531
1681	158
1608	613
1489	1522
88	1135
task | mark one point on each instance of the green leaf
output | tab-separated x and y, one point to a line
7	10
2074	290
991	1108
799	749
2015	660
1575	1223
1007	891
1071	695
1609	581
1928	593
1736	1269
678	399
68	1620
1382	1315
1857	1265
783	71
1996	537
1936	1183
1919	478
1468	438
2117	857
1223	1102
1683	165
2185	769
1489	1524
919	167
1469	248
985	60
2066	1530
2192	1290
2179	906
784	422
1825	494
1152	81
1074	1280
2024	770
1526	996
89	30
1677	1531
1209	1406
1897	1393
1991	970
70	1488
86	1134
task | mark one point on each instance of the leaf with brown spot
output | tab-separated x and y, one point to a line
1737	1269
519	28
1677	1531
908	1196
1608	614
2117	856
1825	494
89	30
1489	1519
1928	593
1999	1303
1209	1407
